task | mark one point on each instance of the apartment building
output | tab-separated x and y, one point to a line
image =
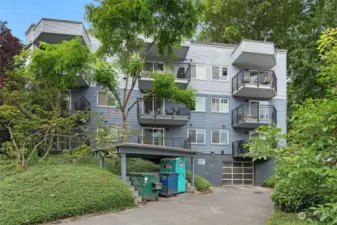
239	87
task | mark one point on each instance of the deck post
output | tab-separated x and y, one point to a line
192	170
101	160
123	167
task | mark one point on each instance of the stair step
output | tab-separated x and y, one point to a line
132	188
138	199
135	193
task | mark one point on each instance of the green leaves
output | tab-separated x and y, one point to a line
121	25
164	86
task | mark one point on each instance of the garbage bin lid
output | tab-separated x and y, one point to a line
167	173
140	174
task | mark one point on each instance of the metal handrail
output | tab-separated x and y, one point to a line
166	141
154	107
238	150
254	112
266	77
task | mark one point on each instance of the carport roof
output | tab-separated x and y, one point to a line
139	150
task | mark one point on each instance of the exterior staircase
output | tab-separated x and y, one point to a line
135	193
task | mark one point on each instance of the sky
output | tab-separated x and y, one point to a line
21	13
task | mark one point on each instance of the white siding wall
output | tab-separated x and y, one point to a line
60	27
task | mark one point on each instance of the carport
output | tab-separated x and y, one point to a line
151	152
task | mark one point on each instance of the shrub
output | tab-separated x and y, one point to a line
270	182
46	193
112	165
201	184
297	193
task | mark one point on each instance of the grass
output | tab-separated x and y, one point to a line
201	184
45	193
279	218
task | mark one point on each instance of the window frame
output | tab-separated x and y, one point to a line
152	128
109	106
227	108
220	131
205	70
204	109
196	136
220	74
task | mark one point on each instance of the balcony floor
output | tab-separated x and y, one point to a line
253	123
164	120
251	90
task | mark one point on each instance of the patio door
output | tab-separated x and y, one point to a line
152	106
153	136
259	109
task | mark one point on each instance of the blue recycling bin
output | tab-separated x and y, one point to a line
169	181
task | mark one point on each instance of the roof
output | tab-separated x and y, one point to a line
235	45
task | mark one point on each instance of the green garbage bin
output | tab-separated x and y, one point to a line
147	184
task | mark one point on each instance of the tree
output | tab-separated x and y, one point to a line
34	97
121	27
9	47
306	168
294	25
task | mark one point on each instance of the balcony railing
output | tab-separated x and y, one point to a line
156	108
77	104
165	141
253	78
179	70
238	149
252	115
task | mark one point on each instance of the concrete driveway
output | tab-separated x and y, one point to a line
225	206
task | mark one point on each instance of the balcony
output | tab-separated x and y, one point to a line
254	54
76	104
167	142
253	115
256	84
152	111
238	149
55	31
151	52
182	72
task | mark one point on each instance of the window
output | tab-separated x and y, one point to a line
220	137
153	67
198	72
219	73
196	136
220	105
153	136
105	98
200	104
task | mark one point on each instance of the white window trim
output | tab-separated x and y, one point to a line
205	99
143	106
106	106
158	128
220	74
195	143
227	131
196	65
227	111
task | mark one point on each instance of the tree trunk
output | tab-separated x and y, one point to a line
124	134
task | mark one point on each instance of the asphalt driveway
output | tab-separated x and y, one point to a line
225	206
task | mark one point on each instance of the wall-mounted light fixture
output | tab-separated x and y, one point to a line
222	152
212	154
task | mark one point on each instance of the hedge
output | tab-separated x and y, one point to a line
45	193
112	165
201	184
